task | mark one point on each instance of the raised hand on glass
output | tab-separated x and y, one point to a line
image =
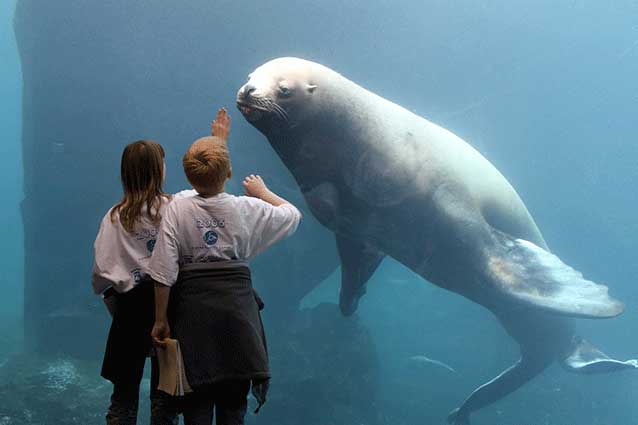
221	125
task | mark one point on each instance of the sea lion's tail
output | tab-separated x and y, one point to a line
535	277
587	359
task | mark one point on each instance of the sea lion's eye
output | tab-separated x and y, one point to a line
284	91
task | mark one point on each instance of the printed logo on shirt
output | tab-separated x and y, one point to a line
209	223
150	245
210	238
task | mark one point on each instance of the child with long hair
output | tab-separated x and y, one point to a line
123	249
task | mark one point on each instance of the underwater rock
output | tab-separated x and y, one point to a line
60	375
36	390
325	371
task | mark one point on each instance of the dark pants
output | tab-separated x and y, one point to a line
127	347
228	400
125	400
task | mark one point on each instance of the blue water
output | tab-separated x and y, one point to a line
11	252
545	90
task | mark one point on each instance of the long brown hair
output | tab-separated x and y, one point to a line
142	173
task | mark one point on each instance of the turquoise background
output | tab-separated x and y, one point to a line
11	248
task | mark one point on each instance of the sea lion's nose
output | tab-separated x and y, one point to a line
248	89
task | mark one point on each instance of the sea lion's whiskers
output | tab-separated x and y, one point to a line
267	103
280	111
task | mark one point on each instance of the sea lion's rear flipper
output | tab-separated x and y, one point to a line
536	277
526	368
588	359
358	263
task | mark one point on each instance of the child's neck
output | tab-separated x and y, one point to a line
210	194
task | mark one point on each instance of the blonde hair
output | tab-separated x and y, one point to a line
207	165
142	174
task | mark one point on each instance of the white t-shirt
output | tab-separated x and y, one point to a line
222	227
121	258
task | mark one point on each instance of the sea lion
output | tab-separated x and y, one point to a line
388	182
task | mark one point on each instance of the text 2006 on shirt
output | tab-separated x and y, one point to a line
222	227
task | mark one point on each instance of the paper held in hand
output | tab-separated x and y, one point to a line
172	378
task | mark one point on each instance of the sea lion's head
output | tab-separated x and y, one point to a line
279	94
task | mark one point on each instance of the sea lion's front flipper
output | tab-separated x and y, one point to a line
539	278
588	359
358	262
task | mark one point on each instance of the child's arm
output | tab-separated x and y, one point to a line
101	284
104	287
161	331
270	219
255	187
163	269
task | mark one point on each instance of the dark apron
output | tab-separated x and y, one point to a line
129	341
214	314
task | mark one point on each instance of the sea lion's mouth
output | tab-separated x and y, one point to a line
244	109
250	111
257	109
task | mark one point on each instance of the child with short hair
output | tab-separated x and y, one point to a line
200	258
123	249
